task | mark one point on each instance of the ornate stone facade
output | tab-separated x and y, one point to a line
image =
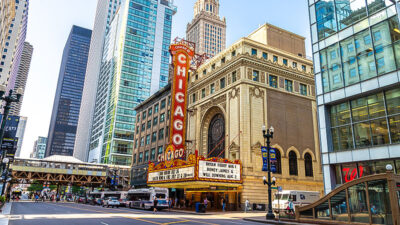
253	91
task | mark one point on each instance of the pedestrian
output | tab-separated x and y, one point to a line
246	205
223	204
155	202
205	204
290	207
36	198
169	204
176	202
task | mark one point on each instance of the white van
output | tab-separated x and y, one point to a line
299	198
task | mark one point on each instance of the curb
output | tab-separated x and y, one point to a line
273	221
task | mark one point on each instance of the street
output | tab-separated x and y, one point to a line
69	213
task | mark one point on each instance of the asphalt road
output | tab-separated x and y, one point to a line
30	213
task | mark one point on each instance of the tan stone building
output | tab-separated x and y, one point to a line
7	14
261	79
207	30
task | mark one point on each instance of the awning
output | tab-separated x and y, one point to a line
195	184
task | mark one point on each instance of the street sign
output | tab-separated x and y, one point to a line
274	188
279	188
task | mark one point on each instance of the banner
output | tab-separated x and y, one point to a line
10	130
272	158
181	57
264	154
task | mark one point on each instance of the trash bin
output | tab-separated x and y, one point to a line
197	207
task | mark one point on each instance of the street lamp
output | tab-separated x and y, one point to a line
4	176
8	99
269	134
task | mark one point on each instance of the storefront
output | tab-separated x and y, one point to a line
198	179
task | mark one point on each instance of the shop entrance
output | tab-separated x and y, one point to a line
214	199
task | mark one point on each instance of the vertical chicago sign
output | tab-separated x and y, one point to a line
181	56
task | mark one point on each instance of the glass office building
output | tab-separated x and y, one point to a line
67	101
135	65
356	53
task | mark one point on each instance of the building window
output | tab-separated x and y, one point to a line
233	76
144	115
278	163
169	100
303	89
142	142
153	137
213	66
137	128
223	60
292	163
141	157
156	108
303	67
148	139
148	124
289	85
153	154
138	118
136	143
212	88
222	82
275	58
203	93
273	81
143	127
233	53
265	55
161	134
294	64
163	104
155	121
204	72
150	112
146	156
308	165
193	97
162	117
284	61
160	150
134	158
256	75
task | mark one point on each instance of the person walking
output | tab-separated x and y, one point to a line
246	205
169	204
36	198
155	202
223	204
205	204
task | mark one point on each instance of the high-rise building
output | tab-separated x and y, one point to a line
104	13
39	148
22	76
135	64
357	65
207	30
14	44
20	134
7	14
67	101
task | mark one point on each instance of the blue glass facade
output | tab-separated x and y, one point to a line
135	65
64	118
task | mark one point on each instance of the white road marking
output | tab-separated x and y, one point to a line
103	223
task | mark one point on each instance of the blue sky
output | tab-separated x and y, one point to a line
50	21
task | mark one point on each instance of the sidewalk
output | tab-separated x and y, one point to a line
263	220
249	213
5	213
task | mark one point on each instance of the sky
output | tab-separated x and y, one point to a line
50	22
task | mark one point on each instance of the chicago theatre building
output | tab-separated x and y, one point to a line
261	79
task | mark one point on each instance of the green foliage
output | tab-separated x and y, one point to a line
35	186
2	199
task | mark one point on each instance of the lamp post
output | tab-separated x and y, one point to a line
269	134
8	99
4	176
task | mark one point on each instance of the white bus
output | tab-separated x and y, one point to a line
144	198
93	197
299	198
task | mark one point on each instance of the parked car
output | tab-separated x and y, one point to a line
82	199
111	201
124	202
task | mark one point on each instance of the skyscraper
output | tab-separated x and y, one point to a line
207	30
105	12
67	101
14	43
135	64
22	76
20	134
7	14
39	148
356	64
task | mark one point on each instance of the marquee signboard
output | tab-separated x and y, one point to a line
219	171
172	174
182	55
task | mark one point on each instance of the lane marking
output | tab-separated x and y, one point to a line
147	221
104	223
183	221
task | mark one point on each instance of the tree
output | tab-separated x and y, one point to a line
35	186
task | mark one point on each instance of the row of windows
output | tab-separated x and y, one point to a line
149	112
148	155
275	59
368	121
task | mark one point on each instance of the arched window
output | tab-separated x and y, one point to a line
278	162
207	7
292	163
210	8
308	165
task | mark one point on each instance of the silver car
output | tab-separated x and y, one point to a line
111	201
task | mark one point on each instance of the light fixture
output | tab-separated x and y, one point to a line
6	160
271	129
389	167
264	178
263	128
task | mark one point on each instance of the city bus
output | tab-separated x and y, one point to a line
144	198
93	197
